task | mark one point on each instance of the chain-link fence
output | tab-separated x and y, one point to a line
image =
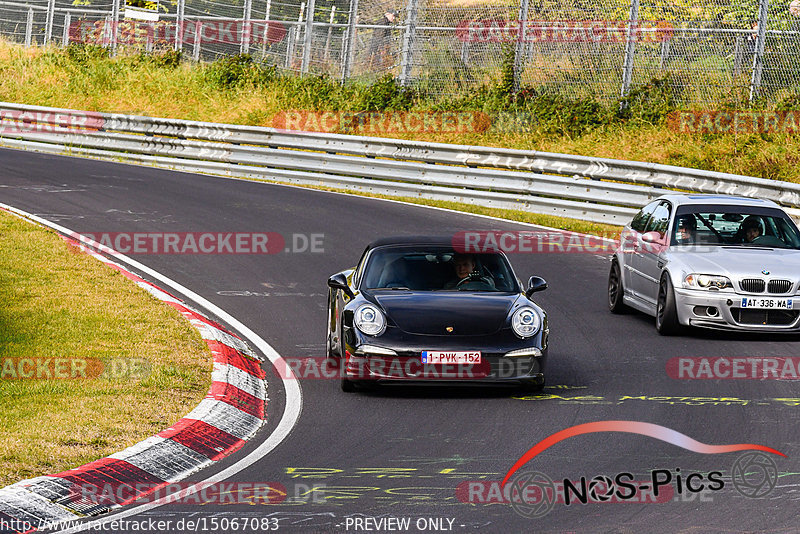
709	49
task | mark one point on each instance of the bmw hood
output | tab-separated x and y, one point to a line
432	313
742	262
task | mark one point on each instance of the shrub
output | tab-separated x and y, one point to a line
651	102
238	71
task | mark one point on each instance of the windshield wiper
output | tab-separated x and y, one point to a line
398	288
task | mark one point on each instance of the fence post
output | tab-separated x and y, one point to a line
409	43
737	57
664	53
48	26
244	47
67	24
350	40
631	37
114	25
266	30
29	27
290	45
179	23
758	58
519	49
330	29
198	32
309	37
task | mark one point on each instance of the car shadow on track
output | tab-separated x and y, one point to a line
438	391
712	334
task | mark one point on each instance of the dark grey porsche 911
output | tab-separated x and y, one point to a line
416	310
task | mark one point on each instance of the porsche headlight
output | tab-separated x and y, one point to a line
525	322
707	281
369	319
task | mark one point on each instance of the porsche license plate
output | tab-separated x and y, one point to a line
767	303
452	357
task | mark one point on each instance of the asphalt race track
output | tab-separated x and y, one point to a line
402	453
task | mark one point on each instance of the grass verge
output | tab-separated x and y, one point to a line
237	90
58	303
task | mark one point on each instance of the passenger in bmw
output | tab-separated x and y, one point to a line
751	228
687	230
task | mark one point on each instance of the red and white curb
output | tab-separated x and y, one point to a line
231	414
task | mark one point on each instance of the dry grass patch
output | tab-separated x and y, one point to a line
56	302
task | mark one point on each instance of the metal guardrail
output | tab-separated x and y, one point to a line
592	189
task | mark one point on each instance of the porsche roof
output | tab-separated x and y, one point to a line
443	240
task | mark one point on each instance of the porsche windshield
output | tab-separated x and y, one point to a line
437	269
729	227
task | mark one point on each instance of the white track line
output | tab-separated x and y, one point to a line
294	396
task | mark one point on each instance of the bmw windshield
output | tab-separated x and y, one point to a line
734	226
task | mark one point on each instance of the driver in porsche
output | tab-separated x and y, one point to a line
465	267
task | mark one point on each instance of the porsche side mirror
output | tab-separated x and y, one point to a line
535	284
339	281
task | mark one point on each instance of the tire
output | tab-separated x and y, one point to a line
348	386
666	311
616	290
529	388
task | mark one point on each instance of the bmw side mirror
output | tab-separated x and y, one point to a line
651	237
339	281
535	284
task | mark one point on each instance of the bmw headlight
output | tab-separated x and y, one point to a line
707	281
525	322
369	319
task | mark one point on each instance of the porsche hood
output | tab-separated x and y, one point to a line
444	313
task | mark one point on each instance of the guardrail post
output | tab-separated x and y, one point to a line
409	42
244	47
758	58
67	24
631	35
198	33
179	24
348	47
48	26
519	49
309	37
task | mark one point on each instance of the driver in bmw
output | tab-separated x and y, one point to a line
465	269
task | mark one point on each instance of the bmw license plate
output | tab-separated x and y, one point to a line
452	357
767	303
